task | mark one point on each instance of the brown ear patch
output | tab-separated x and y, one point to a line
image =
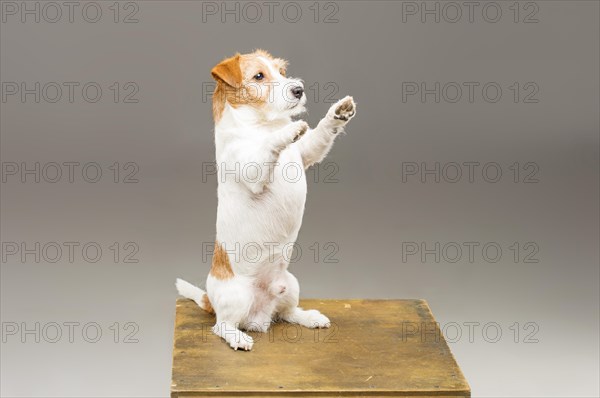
221	267
228	74
228	71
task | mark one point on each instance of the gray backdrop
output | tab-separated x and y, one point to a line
409	204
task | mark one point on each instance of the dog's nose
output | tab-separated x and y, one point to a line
298	91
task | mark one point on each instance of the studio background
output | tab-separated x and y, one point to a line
365	210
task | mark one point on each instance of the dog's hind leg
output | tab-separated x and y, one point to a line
309	318
288	310
231	300
233	336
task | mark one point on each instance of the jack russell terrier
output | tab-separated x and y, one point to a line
260	207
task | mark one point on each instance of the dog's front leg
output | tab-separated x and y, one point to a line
264	156
318	142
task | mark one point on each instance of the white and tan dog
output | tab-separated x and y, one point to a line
261	158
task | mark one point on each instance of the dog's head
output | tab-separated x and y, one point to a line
257	81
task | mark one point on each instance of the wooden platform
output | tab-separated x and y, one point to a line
374	348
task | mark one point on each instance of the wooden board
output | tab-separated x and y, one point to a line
374	348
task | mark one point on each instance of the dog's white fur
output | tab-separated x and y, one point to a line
259	150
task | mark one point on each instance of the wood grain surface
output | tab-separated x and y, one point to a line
374	348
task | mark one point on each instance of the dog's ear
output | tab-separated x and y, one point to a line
228	71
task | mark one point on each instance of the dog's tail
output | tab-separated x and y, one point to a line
190	291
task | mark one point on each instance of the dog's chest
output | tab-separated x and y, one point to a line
272	213
289	178
285	197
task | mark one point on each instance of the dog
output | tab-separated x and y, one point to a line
262	155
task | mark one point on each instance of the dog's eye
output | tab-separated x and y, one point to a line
282	72
259	76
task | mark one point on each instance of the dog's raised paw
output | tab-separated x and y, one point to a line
344	109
